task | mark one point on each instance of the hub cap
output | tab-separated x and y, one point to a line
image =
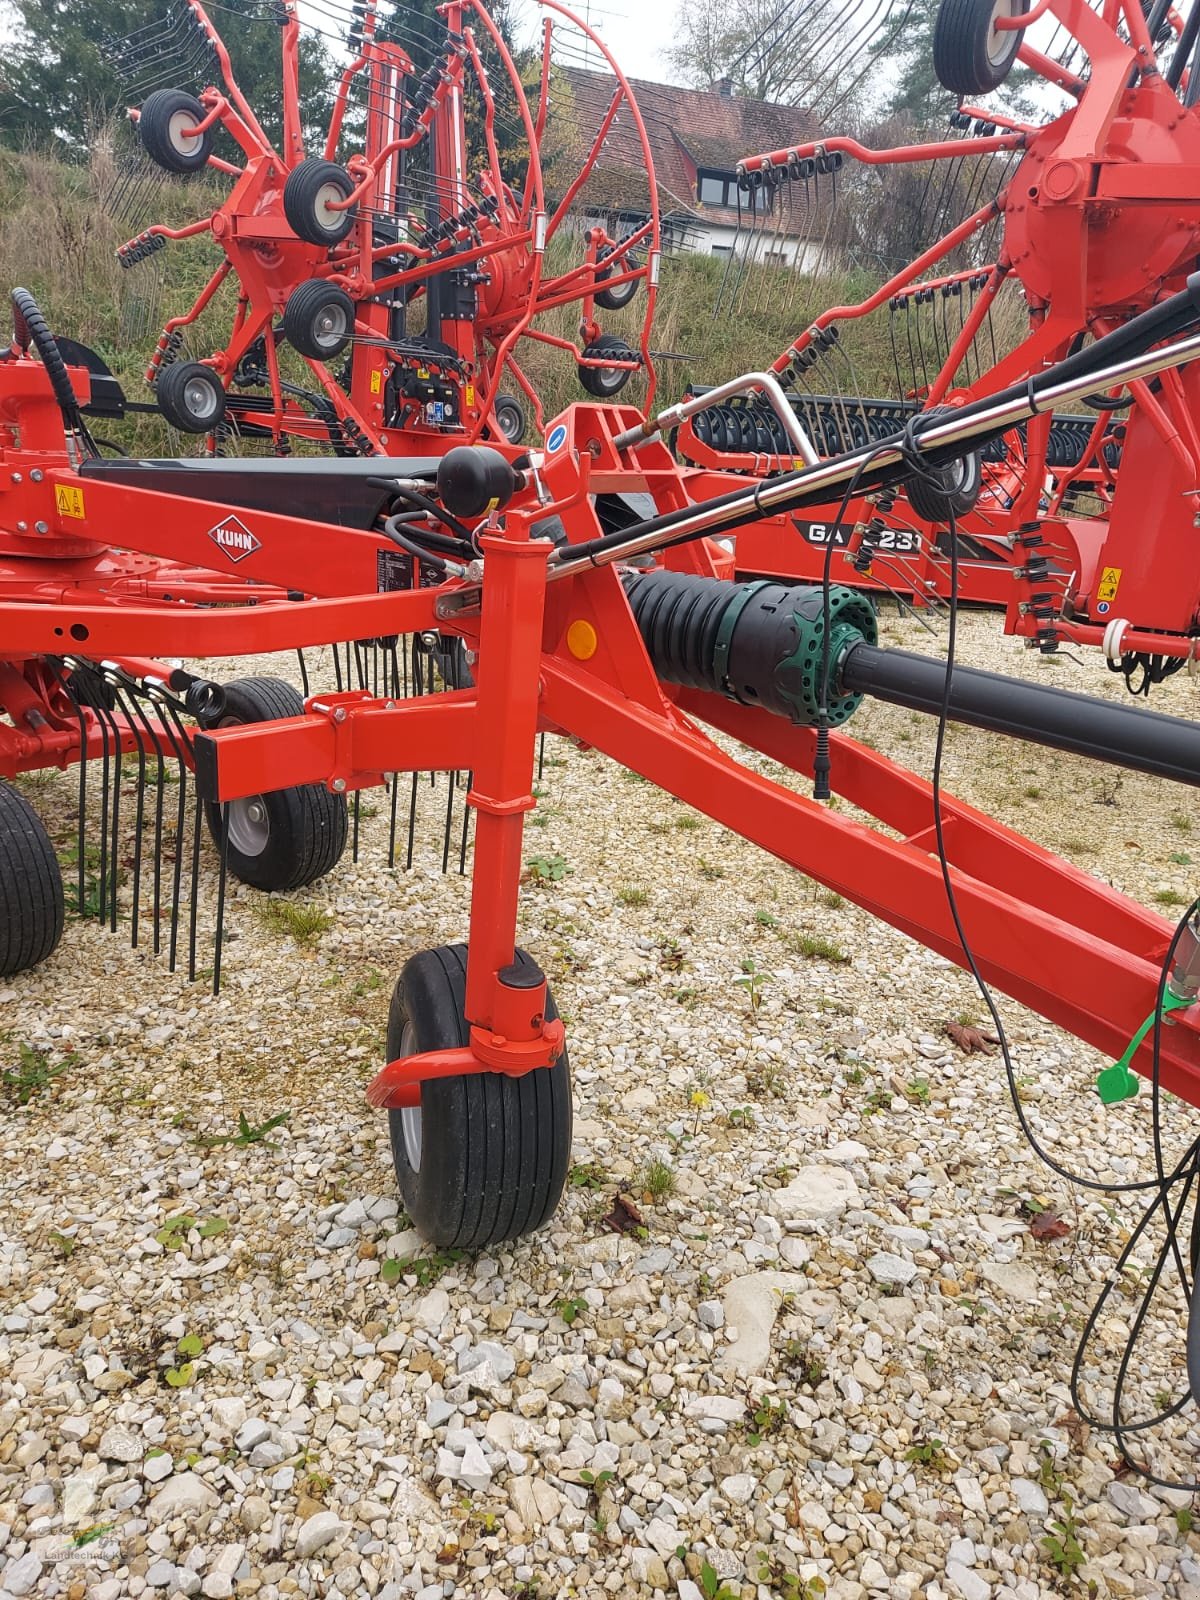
182	133
330	326
249	825
200	398
328	196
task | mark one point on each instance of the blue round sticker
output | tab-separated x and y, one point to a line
558	437
1103	608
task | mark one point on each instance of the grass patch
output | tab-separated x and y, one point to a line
657	1179
814	948
628	896
302	923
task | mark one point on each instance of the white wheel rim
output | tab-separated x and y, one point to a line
1000	42
328	196
249	825
329	326
181	131
200	399
410	1116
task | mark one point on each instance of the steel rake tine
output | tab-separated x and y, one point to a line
222	880
139	821
169	726
303	672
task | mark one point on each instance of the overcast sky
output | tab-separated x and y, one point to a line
636	31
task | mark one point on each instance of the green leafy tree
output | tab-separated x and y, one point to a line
59	83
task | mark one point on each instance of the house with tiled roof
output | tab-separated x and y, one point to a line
696	137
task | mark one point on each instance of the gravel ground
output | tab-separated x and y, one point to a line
835	1360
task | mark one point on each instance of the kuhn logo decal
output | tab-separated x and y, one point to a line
234	538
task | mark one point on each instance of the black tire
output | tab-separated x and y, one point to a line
318	320
605	382
492	1152
510	418
162	126
31	887
957	489
616	299
969	56
306	196
289	838
191	397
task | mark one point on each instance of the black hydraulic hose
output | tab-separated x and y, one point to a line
1160	322
1121	734
1184	46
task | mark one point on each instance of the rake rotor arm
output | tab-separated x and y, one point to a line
898	155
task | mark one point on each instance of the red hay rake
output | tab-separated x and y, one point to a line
420	260
550	600
1094	217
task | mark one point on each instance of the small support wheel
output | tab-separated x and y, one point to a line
971	56
31	888
167	126
510	418
311	195
616	299
191	397
484	1157
318	320
604	382
956	490
291	837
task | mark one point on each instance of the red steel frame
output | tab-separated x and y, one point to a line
269	262
1101	220
568	658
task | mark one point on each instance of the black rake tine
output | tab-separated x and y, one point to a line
170	725
194	909
462	848
354	831
450	792
303	672
81	822
222	878
541	755
160	799
132	721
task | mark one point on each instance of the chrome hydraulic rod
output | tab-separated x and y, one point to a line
819	483
764	381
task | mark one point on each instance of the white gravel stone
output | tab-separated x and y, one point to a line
184	1495
21	1576
818	1194
316	1532
891	1270
120	1444
967	1582
751	1305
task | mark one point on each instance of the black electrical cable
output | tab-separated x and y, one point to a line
1160	1186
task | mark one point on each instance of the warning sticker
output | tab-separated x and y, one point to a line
1110	582
69	500
376	382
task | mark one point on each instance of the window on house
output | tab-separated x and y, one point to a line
715	188
722	249
712	188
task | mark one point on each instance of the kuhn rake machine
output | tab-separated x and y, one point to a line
1084	526
620	629
417	263
421	259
